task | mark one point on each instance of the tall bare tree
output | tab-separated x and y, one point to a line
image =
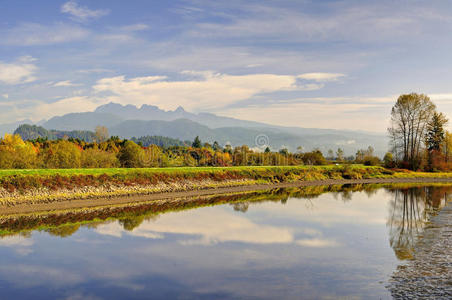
409	118
101	134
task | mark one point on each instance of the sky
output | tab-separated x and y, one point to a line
317	64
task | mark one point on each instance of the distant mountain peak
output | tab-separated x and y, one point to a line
149	107
180	109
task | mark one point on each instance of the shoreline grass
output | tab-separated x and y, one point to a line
40	185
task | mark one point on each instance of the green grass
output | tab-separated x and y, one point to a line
117	171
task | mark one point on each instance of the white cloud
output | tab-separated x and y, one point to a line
27	59
6	96
135	27
82	13
10	241
21	245
65	83
65	106
366	22
95	70
32	34
441	97
202	90
317	243
225	227
17	72
26	276
38	110
324	114
321	77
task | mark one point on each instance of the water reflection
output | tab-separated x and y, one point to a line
313	242
409	211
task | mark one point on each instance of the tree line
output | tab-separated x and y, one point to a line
109	152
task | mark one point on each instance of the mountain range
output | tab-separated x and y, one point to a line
130	121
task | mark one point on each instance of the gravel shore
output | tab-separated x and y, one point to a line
429	274
44	200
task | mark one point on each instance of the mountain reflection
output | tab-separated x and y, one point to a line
409	211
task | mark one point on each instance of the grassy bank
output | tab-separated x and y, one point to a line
44	185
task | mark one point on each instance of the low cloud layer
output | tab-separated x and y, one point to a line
202	90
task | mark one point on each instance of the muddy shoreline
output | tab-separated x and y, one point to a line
113	200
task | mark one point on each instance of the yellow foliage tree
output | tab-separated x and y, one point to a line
17	154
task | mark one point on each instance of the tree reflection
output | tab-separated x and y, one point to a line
410	210
64	231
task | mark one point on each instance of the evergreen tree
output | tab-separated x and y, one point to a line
435	132
216	146
196	142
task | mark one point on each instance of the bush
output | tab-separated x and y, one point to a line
95	158
388	160
371	161
314	158
63	155
131	155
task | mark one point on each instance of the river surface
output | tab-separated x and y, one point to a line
318	243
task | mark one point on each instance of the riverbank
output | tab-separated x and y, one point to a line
54	204
87	187
24	218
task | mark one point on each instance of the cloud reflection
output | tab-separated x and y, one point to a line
205	227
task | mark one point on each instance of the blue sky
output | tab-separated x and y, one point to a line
326	64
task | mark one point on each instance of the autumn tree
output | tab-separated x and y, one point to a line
447	146
130	155
63	155
96	158
101	134
17	154
409	118
330	155
340	154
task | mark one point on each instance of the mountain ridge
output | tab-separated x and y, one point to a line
129	121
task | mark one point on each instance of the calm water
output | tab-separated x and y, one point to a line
285	244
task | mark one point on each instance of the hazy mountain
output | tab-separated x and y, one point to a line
129	121
82	121
31	132
10	127
274	137
149	112
184	129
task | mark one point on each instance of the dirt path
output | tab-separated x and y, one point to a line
94	202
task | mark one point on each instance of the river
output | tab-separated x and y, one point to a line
300	243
